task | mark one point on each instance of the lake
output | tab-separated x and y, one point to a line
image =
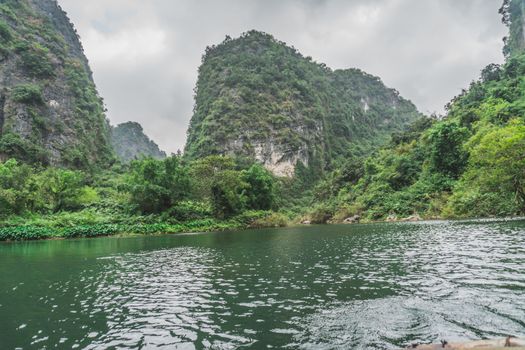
375	286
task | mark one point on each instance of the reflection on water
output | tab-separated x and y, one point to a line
363	287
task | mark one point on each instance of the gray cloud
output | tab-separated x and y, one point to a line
145	54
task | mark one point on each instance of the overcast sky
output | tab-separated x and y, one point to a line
145	53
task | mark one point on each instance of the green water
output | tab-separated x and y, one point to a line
380	286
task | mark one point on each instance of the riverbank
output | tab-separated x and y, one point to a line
67	226
64	226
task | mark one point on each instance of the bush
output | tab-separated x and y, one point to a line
28	94
271	220
157	185
260	188
13	180
321	214
35	60
25	150
5	32
25	233
189	210
59	189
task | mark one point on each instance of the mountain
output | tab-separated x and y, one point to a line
50	111
130	142
256	97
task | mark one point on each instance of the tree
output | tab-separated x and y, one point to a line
54	190
260	188
499	159
13	179
227	191
157	185
445	141
204	173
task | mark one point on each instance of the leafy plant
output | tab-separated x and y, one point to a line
28	94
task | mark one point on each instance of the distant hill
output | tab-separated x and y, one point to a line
50	111
130	142
257	97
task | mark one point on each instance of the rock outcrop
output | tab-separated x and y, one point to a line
50	111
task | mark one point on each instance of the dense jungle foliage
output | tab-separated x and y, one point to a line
146	196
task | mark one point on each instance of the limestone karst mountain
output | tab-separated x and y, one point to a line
50	111
257	97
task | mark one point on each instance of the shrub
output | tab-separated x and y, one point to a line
5	32
25	233
35	59
22	149
321	214
260	188
157	185
189	210
271	220
28	94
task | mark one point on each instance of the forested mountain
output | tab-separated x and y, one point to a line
130	143
469	164
50	111
260	99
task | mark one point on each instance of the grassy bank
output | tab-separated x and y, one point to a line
90	225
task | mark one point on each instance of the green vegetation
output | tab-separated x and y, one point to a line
513	15
148	196
28	94
34	59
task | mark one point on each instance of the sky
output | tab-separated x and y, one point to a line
145	53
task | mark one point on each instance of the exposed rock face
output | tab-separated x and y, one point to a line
258	98
130	142
50	111
277	157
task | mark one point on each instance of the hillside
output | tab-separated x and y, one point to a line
469	164
50	111
130	142
258	98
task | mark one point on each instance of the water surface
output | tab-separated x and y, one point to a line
378	286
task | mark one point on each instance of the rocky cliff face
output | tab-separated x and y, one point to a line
130	142
50	111
258	98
